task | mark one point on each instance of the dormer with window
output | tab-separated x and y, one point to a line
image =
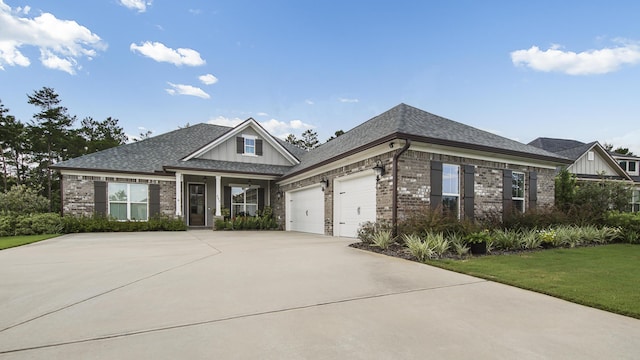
630	166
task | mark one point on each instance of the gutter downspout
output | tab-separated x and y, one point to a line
394	206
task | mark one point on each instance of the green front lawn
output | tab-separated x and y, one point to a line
605	277
12	241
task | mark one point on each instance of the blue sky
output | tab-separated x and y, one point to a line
566	69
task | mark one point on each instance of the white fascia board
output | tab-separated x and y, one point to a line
222	174
485	156
238	130
363	155
104	174
429	148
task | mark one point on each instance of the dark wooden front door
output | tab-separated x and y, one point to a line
196	205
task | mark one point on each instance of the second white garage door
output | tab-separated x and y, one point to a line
305	210
354	204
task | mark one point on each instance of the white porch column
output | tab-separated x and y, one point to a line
179	194
218	195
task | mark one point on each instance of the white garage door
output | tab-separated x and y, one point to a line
305	210
355	203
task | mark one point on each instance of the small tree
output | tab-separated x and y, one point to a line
565	189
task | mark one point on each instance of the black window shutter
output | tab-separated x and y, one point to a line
533	190
240	145
100	197
259	147
260	199
507	188
436	184
227	197
154	200
469	192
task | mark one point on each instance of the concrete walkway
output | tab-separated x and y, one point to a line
275	295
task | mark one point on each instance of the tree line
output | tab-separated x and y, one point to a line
29	148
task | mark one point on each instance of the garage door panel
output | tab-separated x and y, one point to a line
355	204
306	210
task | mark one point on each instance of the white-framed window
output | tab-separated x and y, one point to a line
128	201
635	200
249	145
591	156
517	191
244	201
451	189
623	165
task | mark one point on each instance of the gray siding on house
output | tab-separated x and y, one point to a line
227	152
592	167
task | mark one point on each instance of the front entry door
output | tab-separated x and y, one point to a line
196	205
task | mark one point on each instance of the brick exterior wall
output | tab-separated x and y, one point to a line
414	185
78	197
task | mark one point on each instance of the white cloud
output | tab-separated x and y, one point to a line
159	52
61	42
346	100
208	79
52	61
195	11
588	62
180	89
309	102
262	114
276	127
223	121
628	140
139	5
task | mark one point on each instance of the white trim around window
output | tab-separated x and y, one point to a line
451	189
128	201
249	145
517	191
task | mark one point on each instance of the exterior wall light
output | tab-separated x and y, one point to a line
324	183
378	170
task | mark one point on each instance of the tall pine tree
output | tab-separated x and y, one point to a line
49	132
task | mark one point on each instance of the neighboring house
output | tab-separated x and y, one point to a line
593	162
381	170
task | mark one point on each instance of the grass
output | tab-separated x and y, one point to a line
604	277
13	241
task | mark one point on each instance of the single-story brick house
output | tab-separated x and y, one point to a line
381	170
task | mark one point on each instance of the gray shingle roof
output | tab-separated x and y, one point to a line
403	121
555	145
575	152
149	155
407	121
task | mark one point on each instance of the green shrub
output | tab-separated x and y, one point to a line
382	239
418	248
22	200
506	239
425	220
437	242
549	238
478	237
530	240
458	245
7	225
368	229
76	224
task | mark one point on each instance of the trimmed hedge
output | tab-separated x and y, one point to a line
52	223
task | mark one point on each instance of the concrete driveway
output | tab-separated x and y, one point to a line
275	295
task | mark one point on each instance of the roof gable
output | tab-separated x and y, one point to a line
215	149
600	163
